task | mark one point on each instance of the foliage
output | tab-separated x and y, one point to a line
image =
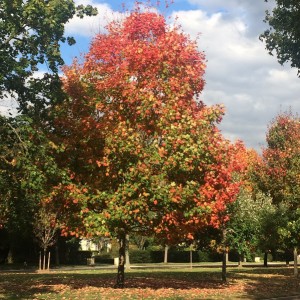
31	33
28	171
279	172
244	229
146	154
283	36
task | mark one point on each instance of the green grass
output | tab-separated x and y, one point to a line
171	284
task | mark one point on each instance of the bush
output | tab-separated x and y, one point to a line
140	256
157	256
104	259
148	256
82	256
204	256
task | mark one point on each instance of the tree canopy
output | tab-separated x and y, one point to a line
31	33
279	175
156	159
283	35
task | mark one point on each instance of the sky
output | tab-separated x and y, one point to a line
240	73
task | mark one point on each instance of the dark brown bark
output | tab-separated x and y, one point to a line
287	261
266	259
121	266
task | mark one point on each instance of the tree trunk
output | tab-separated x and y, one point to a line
241	258
295	262
191	257
44	259
224	265
127	261
40	261
287	261
225	257
266	259
10	257
166	254
49	255
121	265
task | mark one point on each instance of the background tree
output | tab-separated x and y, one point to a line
28	174
283	36
31	33
279	173
247	214
156	159
45	229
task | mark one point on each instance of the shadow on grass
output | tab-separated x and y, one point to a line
258	283
265	283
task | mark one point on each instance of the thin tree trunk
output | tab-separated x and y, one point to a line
121	266
191	256
240	263
166	254
40	261
287	261
49	255
224	265
44	259
10	257
127	260
225	258
295	262
266	259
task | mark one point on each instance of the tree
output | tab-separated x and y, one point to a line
45	228
28	173
157	162
279	173
283	36
247	214
31	33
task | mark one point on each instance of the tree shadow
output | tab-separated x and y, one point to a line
263	283
21	285
260	283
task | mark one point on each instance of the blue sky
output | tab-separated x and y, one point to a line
240	73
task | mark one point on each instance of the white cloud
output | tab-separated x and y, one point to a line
90	26
8	106
240	73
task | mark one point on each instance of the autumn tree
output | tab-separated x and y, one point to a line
279	174
283	36
156	161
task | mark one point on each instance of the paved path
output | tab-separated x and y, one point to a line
151	266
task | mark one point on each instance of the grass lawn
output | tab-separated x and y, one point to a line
197	283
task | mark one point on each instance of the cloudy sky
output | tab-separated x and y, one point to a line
240	72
